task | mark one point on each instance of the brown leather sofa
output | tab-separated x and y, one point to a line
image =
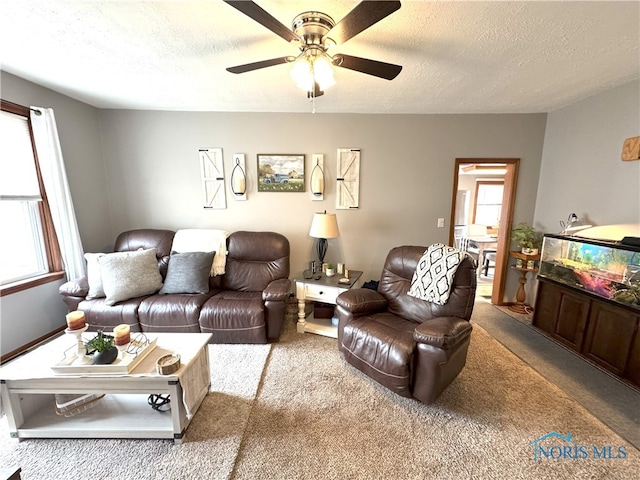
247	304
411	346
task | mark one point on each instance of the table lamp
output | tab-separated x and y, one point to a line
323	226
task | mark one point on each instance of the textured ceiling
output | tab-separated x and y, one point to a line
457	57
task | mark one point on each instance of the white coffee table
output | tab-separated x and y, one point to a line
28	386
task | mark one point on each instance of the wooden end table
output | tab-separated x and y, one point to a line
324	289
521	305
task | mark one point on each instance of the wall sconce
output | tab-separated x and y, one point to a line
317	177
323	226
239	177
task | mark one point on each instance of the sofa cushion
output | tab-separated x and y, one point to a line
176	313
234	317
188	272
128	275
100	316
94	275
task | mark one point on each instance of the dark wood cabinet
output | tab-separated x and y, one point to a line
562	313
604	333
610	336
632	370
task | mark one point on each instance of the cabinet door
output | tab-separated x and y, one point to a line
562	313
632	371
610	335
572	319
545	313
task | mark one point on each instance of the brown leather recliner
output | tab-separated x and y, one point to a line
411	346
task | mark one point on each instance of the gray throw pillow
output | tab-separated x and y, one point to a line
188	272
128	275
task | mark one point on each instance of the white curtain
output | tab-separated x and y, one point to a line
45	134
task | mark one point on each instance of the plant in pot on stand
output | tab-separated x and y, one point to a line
528	239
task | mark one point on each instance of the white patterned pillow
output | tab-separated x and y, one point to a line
94	275
433	278
128	275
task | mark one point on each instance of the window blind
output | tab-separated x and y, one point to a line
18	177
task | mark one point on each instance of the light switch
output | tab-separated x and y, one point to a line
441	223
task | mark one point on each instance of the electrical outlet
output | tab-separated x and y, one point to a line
441	223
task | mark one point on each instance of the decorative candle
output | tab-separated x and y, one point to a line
122	334
75	320
317	186
239	187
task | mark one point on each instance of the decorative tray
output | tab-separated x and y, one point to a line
141	345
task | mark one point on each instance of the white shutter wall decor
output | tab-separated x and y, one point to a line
348	181
212	168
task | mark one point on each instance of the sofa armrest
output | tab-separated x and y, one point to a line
443	332
277	290
362	301
74	292
75	288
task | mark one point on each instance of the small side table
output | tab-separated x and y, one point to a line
323	289
521	305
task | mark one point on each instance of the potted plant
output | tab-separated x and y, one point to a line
528	239
103	350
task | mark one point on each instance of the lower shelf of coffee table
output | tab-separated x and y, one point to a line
113	416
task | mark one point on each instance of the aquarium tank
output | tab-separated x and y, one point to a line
608	269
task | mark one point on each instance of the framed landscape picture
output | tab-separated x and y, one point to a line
280	173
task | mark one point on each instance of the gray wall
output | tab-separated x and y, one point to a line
407	169
581	167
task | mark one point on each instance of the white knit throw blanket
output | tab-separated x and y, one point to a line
204	240
433	278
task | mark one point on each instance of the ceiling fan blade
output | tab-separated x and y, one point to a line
364	15
388	71
257	13
257	65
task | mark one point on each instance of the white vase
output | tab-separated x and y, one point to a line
330	272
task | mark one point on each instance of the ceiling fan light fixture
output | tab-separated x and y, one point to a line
316	33
313	66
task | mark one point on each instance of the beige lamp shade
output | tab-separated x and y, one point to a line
324	225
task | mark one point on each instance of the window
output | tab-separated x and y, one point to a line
488	202
29	253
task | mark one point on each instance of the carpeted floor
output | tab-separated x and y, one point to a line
299	411
316	417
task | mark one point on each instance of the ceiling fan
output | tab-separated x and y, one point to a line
315	33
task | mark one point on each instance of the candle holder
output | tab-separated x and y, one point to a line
122	350
81	351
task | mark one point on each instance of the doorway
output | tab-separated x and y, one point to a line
469	204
